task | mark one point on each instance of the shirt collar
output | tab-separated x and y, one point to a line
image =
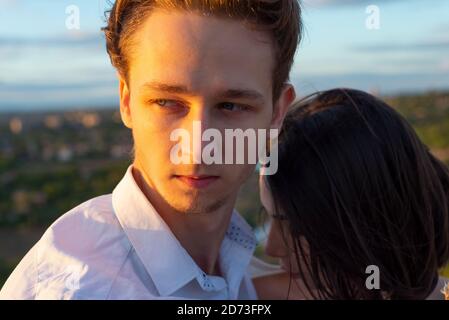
236	252
167	262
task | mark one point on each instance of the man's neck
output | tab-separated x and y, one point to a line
200	234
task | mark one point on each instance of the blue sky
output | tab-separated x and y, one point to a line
43	65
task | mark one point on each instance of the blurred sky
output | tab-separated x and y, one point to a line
43	65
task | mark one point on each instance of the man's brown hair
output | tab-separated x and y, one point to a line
280	18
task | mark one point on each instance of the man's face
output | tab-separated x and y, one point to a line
181	67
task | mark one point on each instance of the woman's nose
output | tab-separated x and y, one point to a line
275	245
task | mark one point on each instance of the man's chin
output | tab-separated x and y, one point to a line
188	206
200	205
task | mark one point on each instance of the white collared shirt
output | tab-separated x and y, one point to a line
117	246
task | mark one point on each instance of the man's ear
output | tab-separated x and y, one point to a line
286	98
125	108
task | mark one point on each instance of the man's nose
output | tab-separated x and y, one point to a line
196	123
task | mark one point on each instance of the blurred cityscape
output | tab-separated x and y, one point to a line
53	161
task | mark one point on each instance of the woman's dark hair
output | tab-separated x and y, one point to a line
356	182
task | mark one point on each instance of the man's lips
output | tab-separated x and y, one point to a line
200	181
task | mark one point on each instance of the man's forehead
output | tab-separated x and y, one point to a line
190	37
183	22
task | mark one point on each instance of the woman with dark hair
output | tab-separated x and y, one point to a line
356	192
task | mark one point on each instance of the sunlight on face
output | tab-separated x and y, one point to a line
183	68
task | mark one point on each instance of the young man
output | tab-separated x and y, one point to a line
169	230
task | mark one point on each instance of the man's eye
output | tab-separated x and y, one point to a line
229	106
165	103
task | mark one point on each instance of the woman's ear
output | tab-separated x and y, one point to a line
286	98
125	108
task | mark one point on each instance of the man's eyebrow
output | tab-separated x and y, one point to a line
166	88
227	94
242	94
